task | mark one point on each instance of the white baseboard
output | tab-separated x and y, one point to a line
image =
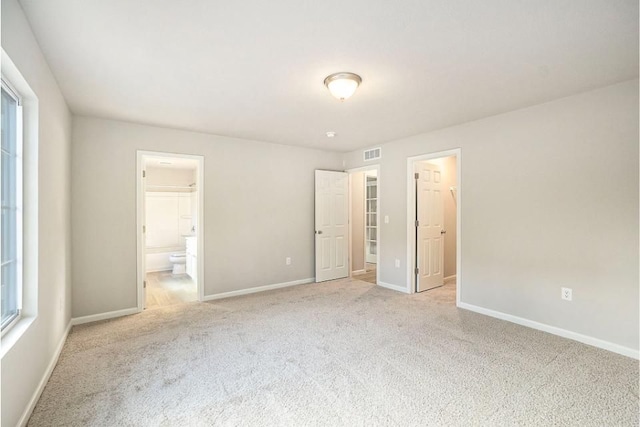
585	339
156	270
45	378
104	316
258	289
449	278
358	271
393	287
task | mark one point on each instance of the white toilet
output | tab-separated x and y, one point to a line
179	261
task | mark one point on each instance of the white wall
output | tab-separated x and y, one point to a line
25	364
549	198
258	210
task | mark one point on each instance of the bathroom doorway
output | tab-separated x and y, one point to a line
364	223
170	201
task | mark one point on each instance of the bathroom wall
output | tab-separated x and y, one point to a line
170	213
168	220
194	211
170	176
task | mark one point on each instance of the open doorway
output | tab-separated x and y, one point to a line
433	223
364	223
170	220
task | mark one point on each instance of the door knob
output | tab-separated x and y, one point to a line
443	231
319	232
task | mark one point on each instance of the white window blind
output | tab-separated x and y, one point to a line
11	228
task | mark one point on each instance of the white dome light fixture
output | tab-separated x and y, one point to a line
342	85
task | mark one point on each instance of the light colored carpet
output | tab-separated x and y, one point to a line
342	353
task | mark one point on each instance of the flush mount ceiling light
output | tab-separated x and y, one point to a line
331	134
342	85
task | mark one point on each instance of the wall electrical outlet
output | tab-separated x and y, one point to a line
566	294
397	263
386	219
288	260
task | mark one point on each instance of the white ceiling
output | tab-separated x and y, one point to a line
255	69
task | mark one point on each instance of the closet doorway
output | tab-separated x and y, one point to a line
433	223
170	224
364	223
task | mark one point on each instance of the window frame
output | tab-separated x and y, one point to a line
19	207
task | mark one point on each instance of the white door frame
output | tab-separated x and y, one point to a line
411	217
375	167
140	155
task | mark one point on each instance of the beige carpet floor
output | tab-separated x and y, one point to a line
342	353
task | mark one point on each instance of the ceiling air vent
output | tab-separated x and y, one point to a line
373	154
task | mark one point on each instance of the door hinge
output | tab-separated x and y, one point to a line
144	284
417	271
144	228
417	223
417	175
144	174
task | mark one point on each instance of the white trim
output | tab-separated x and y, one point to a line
350	237
45	378
359	271
258	289
157	270
11	90
449	278
14	334
29	193
364	168
140	249
140	270
393	287
16	318
19	203
411	241
585	339
379	215
104	316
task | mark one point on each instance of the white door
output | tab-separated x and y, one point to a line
429	227
331	225
143	261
